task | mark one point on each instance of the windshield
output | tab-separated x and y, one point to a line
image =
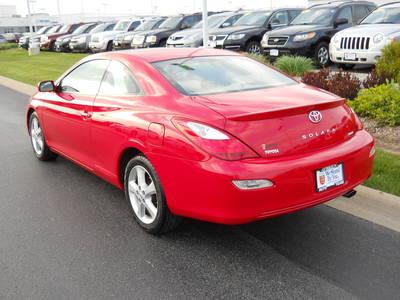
255	19
42	30
171	22
99	28
219	74
383	15
80	29
63	29
319	16
149	25
54	29
122	26
213	22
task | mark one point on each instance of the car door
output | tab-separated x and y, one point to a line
67	114
114	117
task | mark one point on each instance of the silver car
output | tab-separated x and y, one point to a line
80	43
193	37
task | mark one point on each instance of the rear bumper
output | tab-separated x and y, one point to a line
204	190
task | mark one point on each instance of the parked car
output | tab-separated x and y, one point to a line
193	37
363	44
124	40
62	42
201	133
247	32
158	37
2	39
47	41
23	42
12	37
80	43
36	39
103	41
310	33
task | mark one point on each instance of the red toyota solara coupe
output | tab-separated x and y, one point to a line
201	133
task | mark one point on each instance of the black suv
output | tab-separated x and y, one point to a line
247	32
309	34
158	37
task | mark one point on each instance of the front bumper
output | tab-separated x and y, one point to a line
183	44
61	46
78	47
97	46
46	45
143	45
359	57
204	190
291	48
234	45
120	45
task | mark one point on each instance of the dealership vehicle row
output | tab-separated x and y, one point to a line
343	32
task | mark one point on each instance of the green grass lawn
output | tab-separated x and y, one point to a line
386	176
18	65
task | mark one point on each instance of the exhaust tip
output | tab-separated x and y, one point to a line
350	194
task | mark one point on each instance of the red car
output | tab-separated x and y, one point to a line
201	133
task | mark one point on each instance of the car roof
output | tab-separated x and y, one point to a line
151	55
391	4
334	4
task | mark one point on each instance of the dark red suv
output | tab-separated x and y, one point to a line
47	41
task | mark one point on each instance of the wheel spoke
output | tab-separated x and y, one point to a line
152	210
141	210
133	187
150	190
141	177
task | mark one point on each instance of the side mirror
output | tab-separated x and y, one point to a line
340	21
46	86
226	24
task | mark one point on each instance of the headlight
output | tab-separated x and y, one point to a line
378	38
265	37
151	39
128	38
303	37
236	36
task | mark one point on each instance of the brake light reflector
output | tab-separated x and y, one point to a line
214	141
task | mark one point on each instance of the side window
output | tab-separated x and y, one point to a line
233	19
293	14
345	13
73	27
86	78
90	28
360	11
109	27
280	18
118	80
134	25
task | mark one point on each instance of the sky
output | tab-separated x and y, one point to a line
143	7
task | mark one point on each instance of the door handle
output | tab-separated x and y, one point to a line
86	115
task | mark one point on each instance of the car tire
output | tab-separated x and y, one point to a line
163	43
322	55
253	47
148	204
109	46
38	141
346	66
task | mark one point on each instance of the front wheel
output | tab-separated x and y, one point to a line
253	47
322	55
144	192
40	148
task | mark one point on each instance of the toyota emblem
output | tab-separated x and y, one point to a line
315	116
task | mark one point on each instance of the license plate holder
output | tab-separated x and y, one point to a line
350	56
274	52
329	177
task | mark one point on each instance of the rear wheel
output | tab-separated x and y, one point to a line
322	54
144	192
253	47
40	148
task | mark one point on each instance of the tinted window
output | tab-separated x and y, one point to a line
85	78
345	13
232	20
219	74
134	25
90	28
118	80
280	18
190	21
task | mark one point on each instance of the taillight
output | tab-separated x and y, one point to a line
214	141
357	121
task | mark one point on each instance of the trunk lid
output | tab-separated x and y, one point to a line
275	122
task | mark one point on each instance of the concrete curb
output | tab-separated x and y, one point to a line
369	204
18	86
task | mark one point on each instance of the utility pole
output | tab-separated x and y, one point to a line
29	17
205	24
82	11
58	10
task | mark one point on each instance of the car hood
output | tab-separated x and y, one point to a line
371	29
188	32
297	29
234	29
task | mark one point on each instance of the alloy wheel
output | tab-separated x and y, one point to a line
37	136
254	49
142	194
323	56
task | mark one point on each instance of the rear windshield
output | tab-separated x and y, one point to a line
220	74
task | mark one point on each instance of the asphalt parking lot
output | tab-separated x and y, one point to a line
65	234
